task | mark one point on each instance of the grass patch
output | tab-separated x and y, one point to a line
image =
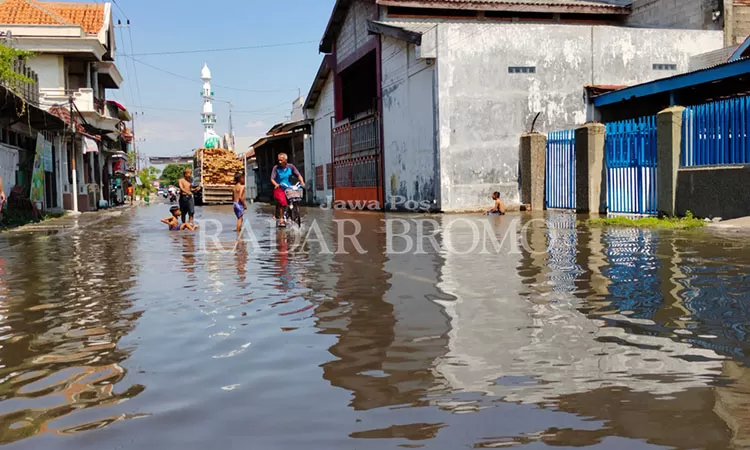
680	223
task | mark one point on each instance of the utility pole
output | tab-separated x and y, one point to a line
135	149
73	159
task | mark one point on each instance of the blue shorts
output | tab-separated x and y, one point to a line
239	209
495	213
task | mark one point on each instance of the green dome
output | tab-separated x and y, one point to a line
212	142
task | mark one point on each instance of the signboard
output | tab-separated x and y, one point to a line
47	156
37	177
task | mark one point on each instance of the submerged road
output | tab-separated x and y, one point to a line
439	332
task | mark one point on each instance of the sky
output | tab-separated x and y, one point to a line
261	83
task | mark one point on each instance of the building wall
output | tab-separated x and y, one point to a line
321	140
409	145
353	33
50	69
741	21
690	14
483	108
713	192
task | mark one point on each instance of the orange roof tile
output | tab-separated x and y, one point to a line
89	16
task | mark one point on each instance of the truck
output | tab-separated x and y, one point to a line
214	170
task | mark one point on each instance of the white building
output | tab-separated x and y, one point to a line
74	47
429	98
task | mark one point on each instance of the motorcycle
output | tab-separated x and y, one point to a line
172	197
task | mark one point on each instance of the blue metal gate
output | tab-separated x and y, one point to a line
716	133
560	180
631	166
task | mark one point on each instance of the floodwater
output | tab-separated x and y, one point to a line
126	336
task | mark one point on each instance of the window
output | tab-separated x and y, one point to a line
522	69
662	66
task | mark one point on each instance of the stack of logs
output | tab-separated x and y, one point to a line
219	165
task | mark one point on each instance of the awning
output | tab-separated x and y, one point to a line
119	155
90	145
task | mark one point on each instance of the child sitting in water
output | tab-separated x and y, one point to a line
173	221
498	209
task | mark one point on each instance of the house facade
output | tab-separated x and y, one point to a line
429	97
74	51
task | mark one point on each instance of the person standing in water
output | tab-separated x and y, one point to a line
187	201
238	199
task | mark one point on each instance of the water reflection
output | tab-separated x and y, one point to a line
67	309
582	337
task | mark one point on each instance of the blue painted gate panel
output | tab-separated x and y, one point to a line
560	180
631	166
716	133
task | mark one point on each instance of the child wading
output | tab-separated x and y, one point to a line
173	221
498	209
238	199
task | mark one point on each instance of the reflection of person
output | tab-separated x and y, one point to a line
238	199
174	223
498	209
188	253
2	194
280	178
187	201
283	259
240	253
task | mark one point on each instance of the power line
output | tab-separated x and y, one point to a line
199	82
137	81
123	12
227	49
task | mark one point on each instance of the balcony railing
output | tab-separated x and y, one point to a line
29	91
83	98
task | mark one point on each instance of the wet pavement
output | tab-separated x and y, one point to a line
122	335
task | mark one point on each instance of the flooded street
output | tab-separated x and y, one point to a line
126	336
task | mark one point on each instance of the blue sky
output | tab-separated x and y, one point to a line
168	107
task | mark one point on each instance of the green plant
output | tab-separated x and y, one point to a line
650	222
9	77
147	176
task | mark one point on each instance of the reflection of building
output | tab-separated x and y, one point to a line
540	337
66	326
390	332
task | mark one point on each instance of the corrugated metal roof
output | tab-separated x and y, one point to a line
519	5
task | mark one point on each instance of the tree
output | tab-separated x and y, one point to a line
172	173
8	76
147	175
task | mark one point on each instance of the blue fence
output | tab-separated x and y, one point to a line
716	133
560	184
631	166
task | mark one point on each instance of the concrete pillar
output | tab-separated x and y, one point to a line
669	143
729	39
533	158
591	175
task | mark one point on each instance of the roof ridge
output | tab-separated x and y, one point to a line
38	5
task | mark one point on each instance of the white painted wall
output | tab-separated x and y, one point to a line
353	33
321	139
483	109
51	70
408	124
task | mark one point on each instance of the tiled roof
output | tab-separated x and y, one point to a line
89	16
514	4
